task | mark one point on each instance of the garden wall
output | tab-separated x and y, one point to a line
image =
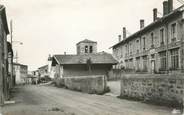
161	89
88	84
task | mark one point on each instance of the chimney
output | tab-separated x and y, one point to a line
141	23
165	8
124	33
50	58
119	36
154	14
170	6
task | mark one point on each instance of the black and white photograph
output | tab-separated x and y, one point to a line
92	57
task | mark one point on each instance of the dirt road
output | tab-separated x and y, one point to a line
48	100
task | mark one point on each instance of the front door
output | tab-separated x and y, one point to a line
152	66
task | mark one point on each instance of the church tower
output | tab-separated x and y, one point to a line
86	47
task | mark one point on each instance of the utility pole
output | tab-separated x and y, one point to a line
11	36
16	57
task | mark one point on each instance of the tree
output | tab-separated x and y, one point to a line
89	62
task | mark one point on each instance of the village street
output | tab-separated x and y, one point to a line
49	100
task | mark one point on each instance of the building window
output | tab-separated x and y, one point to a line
152	40
145	62
45	70
163	61
114	52
173	32
86	49
162	36
117	53
174	59
144	43
137	46
138	63
78	49
130	48
126	47
121	51
126	64
91	49
131	64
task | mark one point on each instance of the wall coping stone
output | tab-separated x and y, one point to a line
82	77
153	76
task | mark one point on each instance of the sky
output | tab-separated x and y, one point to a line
55	26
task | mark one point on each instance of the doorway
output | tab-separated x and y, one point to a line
152	66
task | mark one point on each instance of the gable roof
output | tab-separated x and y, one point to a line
159	21
98	58
86	41
18	64
43	67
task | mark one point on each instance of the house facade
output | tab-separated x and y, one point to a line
156	48
20	72
10	65
5	79
43	71
36	76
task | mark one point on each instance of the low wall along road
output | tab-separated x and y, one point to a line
87	84
160	89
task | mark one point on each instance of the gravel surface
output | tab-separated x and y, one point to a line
49	100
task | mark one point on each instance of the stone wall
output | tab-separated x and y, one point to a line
87	84
117	74
59	82
160	89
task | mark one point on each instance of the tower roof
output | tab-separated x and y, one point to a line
86	41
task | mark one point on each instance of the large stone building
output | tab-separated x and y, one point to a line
157	47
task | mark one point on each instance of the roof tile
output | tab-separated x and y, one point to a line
98	58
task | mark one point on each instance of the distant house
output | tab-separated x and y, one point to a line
44	75
31	79
82	65
35	76
35	73
43	70
20	73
